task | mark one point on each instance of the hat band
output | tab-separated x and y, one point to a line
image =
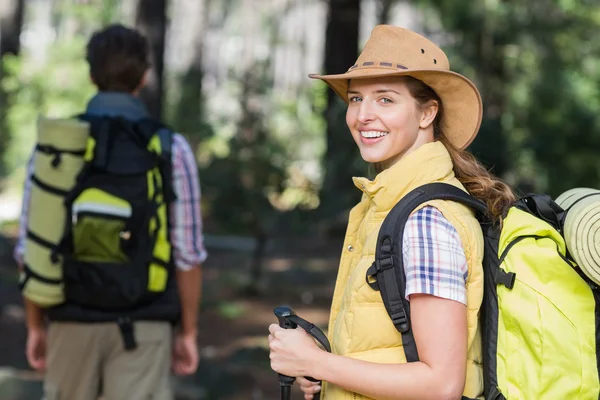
381	64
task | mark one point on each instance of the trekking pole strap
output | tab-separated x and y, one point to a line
312	330
316	333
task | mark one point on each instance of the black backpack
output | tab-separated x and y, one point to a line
115	249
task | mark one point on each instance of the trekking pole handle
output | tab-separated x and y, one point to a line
287	318
282	313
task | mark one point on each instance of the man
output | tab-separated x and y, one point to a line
82	351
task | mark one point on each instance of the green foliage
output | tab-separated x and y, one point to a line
260	152
537	66
88	14
231	310
58	86
265	162
298	125
52	81
240	183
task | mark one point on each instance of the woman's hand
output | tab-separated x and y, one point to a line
308	388
293	351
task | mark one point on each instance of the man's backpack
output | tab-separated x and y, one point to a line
116	252
540	315
114	249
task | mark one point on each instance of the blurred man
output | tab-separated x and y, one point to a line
124	240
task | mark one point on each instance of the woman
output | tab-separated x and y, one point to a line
411	117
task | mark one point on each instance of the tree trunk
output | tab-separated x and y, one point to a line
341	51
385	8
151	20
492	78
256	263
11	22
190	110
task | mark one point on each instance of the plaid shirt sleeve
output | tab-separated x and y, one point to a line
434	259
19	249
186	219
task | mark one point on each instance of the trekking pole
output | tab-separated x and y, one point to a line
286	382
289	320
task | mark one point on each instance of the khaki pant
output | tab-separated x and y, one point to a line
85	361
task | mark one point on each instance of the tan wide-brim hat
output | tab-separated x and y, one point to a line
582	228
395	51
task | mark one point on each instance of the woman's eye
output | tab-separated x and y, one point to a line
355	99
385	100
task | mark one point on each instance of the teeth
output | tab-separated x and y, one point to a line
372	134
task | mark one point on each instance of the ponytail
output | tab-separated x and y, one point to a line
479	182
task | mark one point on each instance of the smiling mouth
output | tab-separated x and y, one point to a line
373	134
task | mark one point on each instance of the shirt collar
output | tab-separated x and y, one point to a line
429	163
117	104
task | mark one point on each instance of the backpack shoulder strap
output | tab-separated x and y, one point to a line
386	274
543	207
163	149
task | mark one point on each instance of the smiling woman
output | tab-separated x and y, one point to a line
412	117
386	122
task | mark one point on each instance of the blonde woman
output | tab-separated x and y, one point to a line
412	118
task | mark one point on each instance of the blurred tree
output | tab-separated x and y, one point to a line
189	109
538	69
384	11
341	160
11	23
475	39
238	186
293	111
50	76
151	20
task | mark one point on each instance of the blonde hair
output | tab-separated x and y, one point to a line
478	181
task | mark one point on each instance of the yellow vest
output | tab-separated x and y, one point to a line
359	326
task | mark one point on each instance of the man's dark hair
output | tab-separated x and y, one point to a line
118	58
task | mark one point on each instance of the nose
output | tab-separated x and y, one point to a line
365	113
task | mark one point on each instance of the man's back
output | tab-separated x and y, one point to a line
90	337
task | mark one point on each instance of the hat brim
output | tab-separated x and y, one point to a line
463	108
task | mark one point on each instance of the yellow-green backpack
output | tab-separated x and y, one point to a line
540	315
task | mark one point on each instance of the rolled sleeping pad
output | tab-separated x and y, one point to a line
582	228
58	159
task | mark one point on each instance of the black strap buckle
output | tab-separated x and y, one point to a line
378	266
505	278
381	264
400	320
127	332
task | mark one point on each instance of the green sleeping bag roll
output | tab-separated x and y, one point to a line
58	159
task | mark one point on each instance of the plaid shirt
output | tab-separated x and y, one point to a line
186	227
433	255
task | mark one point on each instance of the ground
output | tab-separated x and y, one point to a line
232	324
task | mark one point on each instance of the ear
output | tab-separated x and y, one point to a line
428	115
92	80
142	83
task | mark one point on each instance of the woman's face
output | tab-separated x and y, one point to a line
386	122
